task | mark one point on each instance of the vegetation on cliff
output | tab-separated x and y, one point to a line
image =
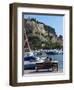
42	36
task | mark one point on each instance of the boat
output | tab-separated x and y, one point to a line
54	52
51	52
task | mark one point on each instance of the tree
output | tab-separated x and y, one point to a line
60	37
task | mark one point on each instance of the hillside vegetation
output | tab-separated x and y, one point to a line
42	36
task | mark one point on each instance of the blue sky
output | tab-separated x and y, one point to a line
52	20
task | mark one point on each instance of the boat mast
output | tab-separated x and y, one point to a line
26	42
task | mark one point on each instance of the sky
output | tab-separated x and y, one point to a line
54	21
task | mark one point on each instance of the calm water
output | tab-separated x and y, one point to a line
58	58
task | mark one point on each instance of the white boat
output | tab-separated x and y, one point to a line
26	54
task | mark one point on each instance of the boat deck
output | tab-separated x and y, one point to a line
47	65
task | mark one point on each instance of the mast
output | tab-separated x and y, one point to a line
26	42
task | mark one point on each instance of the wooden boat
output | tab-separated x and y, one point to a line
47	65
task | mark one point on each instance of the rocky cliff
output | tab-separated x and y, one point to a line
41	36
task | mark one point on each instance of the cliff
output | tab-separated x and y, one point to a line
41	36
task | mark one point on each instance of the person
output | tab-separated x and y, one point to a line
47	59
50	59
